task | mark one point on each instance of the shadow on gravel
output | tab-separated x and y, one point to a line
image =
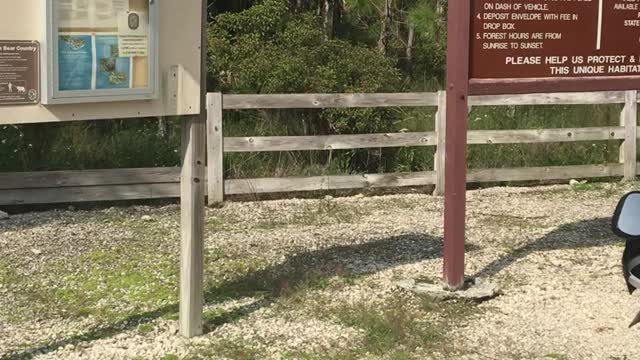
294	274
584	234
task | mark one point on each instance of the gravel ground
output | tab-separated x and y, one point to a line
316	279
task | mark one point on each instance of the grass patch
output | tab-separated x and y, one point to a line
106	285
27	297
556	356
395	329
236	350
231	278
584	187
144	329
113	285
170	357
388	327
605	190
217	317
8	278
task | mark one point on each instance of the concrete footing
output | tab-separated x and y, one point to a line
476	290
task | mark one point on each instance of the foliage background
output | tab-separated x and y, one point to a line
313	46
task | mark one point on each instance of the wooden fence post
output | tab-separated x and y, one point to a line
629	119
439	157
215	150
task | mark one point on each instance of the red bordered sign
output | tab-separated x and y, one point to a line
526	46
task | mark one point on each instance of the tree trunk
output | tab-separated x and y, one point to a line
163	128
385	25
410	40
328	11
440	14
297	5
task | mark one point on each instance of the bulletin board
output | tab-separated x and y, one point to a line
143	55
100	50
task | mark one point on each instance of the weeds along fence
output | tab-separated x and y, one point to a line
153	183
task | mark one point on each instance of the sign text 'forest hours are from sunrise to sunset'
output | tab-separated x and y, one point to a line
555	38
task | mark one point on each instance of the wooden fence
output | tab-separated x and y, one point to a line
218	145
132	184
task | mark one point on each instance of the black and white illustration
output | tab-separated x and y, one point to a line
13	87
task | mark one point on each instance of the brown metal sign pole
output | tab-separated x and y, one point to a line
456	141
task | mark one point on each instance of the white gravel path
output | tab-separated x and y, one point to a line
550	248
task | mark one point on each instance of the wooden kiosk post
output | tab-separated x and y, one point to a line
192	204
522	47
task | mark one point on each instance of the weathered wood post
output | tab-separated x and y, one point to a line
192	208
629	119
456	143
215	150
441	136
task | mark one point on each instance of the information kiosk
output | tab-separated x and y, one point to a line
63	60
73	60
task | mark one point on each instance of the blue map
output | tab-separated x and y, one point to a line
113	72
75	62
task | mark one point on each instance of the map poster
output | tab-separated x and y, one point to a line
75	62
19	72
113	71
102	44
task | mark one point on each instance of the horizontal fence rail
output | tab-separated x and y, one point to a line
89	185
475	137
331	142
53	188
587	98
320	101
154	183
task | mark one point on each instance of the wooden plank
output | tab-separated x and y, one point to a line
282	101
441	131
98	192
545	173
330	142
629	119
32	196
215	150
320	101
545	135
62	179
585	98
551	84
192	210
280	185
